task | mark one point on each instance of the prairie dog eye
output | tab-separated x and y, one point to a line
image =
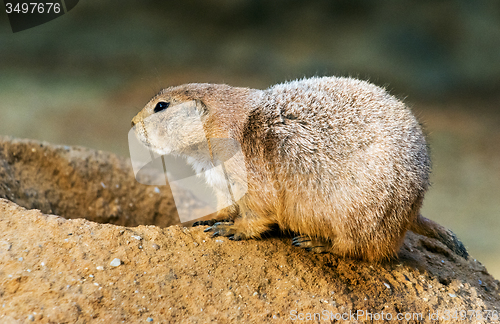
161	106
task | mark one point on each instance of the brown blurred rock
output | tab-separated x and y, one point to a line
56	269
76	182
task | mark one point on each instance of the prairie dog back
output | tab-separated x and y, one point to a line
350	164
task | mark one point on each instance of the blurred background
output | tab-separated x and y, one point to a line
79	79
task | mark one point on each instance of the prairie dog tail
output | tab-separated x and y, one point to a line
431	229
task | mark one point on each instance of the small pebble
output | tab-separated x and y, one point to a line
116	262
155	246
452	295
137	237
157	190
100	268
103	185
387	285
31	317
149	319
219	241
20	259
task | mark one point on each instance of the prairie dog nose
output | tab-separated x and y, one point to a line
135	120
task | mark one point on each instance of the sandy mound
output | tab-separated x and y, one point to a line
56	269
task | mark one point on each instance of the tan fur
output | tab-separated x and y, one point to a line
337	160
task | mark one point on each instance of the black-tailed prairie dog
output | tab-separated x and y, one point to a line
338	161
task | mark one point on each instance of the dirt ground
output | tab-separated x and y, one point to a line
81	241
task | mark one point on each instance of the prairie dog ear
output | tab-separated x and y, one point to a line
202	108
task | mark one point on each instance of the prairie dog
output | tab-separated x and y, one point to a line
338	161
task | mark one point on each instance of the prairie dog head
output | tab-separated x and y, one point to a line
179	120
170	127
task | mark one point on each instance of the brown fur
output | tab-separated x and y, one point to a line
337	160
